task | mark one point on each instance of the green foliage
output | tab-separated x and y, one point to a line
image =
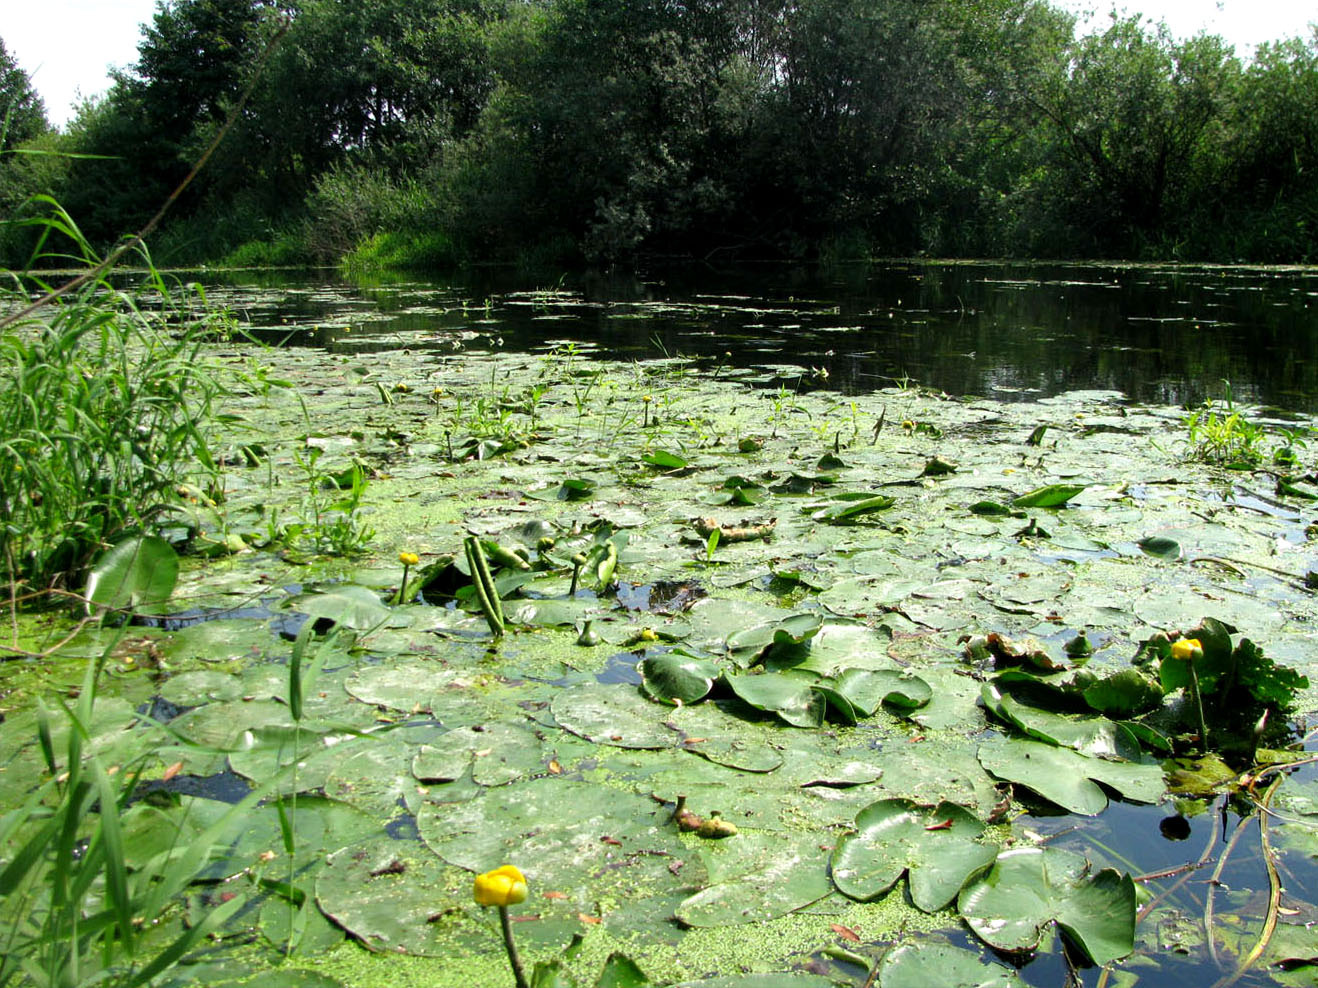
574	129
104	415
1223	435
22	114
74	910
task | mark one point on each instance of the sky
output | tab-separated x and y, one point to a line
68	46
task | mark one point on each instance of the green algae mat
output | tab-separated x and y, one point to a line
756	684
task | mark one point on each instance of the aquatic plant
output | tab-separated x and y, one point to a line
503	887
1223	435
105	413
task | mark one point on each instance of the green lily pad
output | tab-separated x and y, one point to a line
792	698
494	753
349	605
1029	889
747	645
1160	547
849	511
675	677
920	965
938	845
1051	496
772	878
1089	734
1069	778
613	714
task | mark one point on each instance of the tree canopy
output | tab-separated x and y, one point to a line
603	131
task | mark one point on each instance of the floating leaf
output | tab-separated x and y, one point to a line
1161	547
675	677
938	845
1051	496
867	690
137	573
792	698
920	965
349	605
781	875
849	511
1066	777
1030	888
662	459
1124	694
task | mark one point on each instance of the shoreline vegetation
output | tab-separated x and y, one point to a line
576	132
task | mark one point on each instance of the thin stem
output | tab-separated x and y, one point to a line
513	960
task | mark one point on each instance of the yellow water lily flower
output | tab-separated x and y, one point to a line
1187	649
504	886
409	558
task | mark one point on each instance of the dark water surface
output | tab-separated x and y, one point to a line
1158	334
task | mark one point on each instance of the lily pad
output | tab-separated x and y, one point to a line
938	845
1029	889
774	877
675	677
919	965
1051	496
1068	778
792	698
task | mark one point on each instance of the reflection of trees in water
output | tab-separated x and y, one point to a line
1158	335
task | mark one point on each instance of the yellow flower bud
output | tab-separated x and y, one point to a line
409	558
504	886
1187	649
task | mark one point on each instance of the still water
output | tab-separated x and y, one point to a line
1158	334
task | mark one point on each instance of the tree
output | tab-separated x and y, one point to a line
22	114
1132	124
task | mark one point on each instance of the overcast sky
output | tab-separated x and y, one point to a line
67	46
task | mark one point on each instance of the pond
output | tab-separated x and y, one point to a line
915	576
1169	335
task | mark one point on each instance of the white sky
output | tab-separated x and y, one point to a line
66	46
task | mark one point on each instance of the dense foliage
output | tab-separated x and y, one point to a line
443	130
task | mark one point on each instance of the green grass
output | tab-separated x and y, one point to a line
105	407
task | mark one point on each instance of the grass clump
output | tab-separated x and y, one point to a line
105	409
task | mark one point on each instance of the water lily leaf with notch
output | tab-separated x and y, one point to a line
1068	778
385	894
747	645
349	605
921	964
377	778
763	877
1051	496
613	714
939	846
137	573
1029	889
837	646
792	698
677	677
851	510
495	753
1089	734
867	690
409	686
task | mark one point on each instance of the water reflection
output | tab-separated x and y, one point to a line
1168	335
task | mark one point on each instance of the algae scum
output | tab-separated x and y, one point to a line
911	658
